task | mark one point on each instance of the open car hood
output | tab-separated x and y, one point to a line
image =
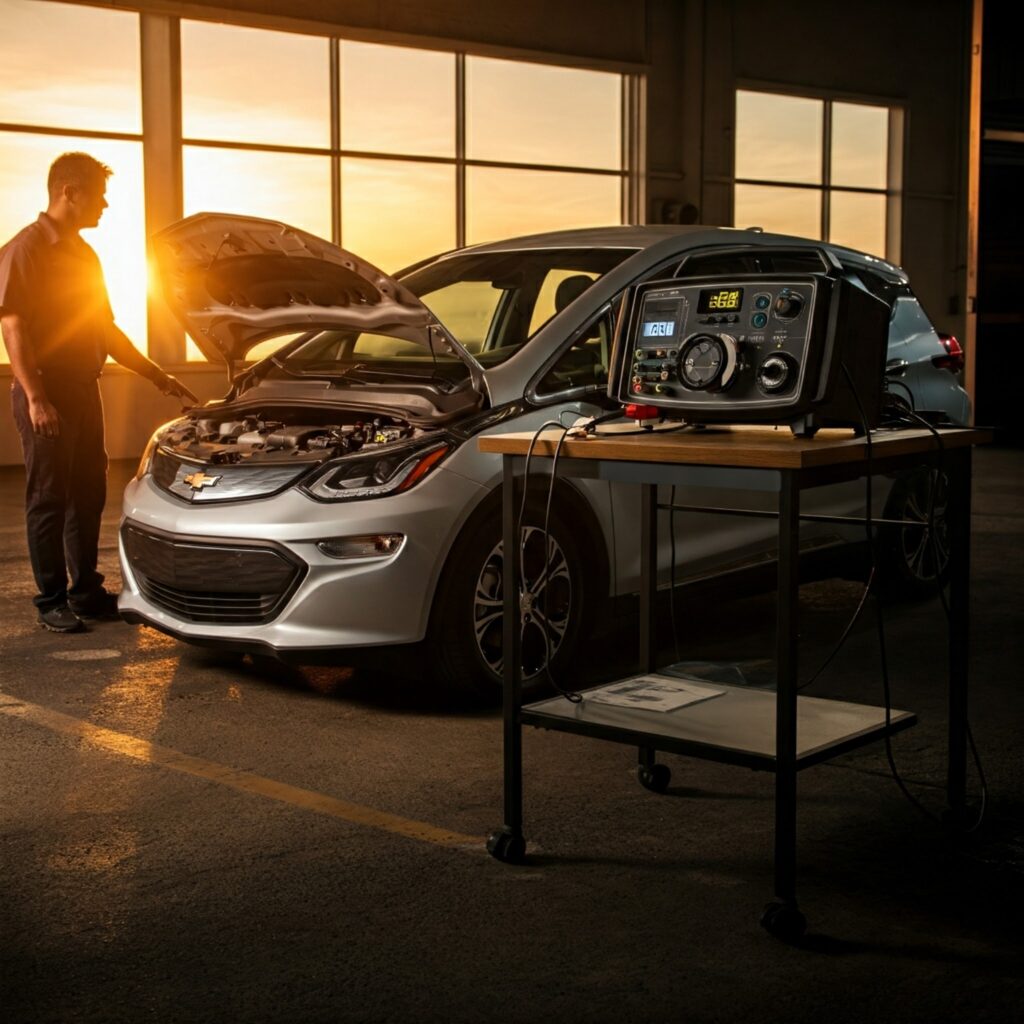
233	281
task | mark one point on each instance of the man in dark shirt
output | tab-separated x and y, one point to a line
59	329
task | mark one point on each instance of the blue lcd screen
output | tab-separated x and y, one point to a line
659	328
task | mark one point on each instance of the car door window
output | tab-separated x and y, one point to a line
584	363
467	309
555	293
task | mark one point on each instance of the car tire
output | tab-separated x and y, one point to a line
464	640
914	561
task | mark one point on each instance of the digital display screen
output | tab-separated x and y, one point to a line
720	300
659	328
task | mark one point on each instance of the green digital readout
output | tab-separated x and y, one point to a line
720	300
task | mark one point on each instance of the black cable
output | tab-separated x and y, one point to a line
648	431
520	555
572	696
589	426
906	388
880	618
869	582
880	621
526	477
672	569
846	631
936	553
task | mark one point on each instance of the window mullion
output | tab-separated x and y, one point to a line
826	170
335	58
460	150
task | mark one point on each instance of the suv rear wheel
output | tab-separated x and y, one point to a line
915	559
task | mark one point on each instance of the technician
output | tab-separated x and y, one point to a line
59	329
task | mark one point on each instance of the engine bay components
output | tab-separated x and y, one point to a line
267	436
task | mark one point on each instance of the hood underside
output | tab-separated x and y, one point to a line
233	281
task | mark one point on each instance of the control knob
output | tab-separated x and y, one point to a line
773	374
788	305
708	362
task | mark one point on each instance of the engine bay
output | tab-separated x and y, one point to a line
276	435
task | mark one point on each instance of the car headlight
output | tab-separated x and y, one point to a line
146	462
373	475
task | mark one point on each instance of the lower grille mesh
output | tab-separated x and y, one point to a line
207	582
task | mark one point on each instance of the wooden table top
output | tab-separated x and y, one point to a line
747	446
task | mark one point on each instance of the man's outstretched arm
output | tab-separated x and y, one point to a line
124	352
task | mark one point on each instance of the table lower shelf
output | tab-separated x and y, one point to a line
736	728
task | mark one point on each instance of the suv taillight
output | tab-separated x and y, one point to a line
953	360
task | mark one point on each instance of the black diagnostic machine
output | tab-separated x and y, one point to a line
802	349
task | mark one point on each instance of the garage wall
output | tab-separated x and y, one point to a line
591	30
695	54
913	53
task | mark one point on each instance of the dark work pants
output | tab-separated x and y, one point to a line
65	490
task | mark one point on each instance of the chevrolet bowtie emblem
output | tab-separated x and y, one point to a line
197	481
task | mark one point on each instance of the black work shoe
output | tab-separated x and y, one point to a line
60	620
96	606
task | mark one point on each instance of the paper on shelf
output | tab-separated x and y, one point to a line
652	692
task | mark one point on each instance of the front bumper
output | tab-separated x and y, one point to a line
328	604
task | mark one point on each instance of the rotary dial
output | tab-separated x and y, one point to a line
707	362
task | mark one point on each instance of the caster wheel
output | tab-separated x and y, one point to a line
782	919
656	778
507	848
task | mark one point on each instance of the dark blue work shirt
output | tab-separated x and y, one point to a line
56	285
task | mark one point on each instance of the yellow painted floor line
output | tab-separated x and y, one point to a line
243	781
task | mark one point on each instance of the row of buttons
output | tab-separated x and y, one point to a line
732	318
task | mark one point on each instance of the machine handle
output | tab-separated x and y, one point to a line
829	263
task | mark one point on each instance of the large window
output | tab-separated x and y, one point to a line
819	168
529	114
69	80
392	152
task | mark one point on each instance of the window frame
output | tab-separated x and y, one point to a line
164	143
626	172
893	190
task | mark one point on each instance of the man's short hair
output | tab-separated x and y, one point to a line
78	169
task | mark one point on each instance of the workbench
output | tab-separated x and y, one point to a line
780	731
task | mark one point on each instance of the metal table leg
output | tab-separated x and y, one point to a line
959	519
508	844
782	917
652	776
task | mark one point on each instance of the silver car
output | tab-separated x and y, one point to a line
335	498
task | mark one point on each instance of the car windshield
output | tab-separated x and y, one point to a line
491	303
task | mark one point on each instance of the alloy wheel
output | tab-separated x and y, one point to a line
924	549
545	603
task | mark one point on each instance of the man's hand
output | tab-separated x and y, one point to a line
172	386
45	420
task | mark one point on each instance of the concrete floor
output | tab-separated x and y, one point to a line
187	838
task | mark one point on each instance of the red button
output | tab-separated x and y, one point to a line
642	412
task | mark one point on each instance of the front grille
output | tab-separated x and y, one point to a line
223	483
209	581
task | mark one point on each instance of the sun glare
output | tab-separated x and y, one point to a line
119	240
68	68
